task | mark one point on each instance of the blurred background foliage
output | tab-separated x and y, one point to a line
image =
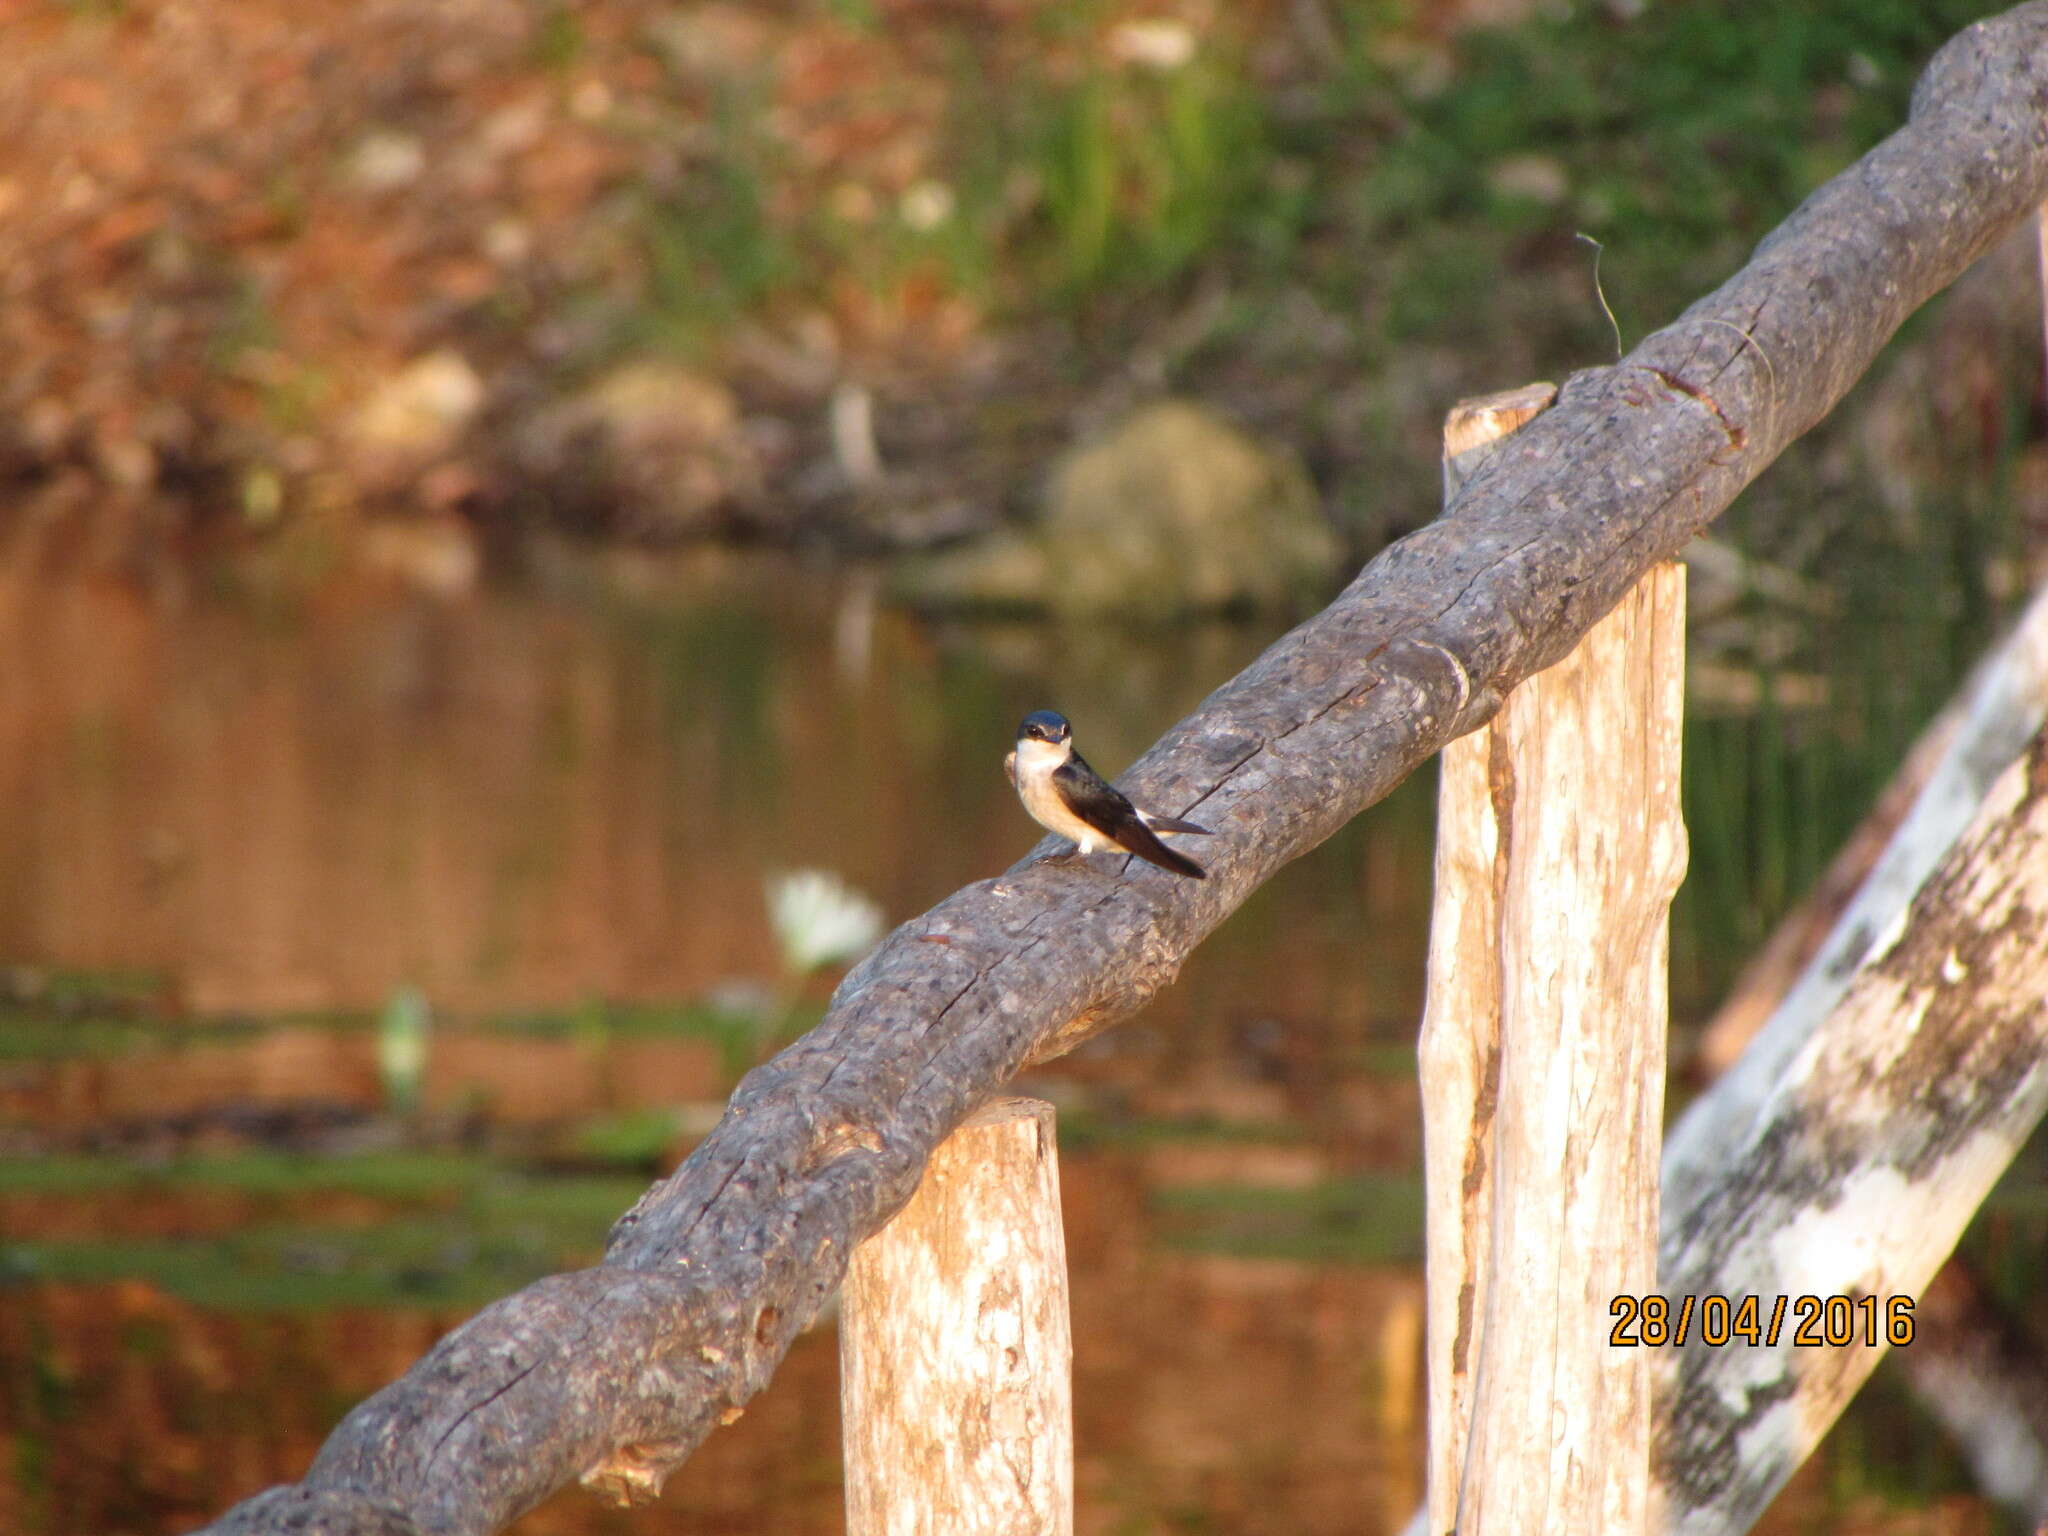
384	267
461	468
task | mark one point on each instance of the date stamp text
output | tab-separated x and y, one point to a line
1815	1322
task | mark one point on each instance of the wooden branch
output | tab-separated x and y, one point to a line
1970	1367
1559	848
615	1374
1879	1139
1771	973
2003	707
954	1348
1814	948
1789	1195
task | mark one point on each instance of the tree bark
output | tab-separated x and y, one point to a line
954	1347
615	1374
2003	707
1878	1140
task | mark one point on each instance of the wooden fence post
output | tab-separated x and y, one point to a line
1559	848
954	1345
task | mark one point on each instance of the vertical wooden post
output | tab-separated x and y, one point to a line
954	1348
1559	848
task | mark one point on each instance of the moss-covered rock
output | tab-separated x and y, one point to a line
1175	510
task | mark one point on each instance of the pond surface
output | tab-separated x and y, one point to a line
240	843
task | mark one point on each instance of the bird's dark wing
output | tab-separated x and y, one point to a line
1103	806
1173	824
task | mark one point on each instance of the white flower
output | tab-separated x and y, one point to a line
820	920
402	1046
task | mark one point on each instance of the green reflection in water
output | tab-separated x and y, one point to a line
454	1228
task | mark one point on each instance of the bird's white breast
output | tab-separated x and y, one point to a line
1036	761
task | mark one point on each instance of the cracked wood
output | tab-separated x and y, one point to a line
1559	848
956	1359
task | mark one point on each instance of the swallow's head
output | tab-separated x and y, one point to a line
1046	726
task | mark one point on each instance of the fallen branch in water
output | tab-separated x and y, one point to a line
614	1374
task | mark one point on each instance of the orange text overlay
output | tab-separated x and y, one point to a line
1805	1322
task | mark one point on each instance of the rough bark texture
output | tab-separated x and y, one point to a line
2002	709
1972	1369
1790	951
1885	1130
1559	848
615	1373
955	1352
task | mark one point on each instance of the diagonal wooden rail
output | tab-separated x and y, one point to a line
614	1374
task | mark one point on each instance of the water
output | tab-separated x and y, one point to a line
235	835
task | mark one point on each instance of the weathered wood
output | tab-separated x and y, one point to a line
2005	705
616	1373
1559	848
1873	1148
1874	1121
1473	427
2041	237
1789	952
957	1362
1971	1369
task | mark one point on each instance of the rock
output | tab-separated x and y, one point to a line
651	450
416	414
1174	511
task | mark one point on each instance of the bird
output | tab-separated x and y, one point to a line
1066	796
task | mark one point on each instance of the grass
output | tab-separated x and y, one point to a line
1142	174
711	248
1077	177
1083	1127
104	1026
1370	1219
465	1230
1678	142
398	1176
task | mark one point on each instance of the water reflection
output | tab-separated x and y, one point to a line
552	813
525	802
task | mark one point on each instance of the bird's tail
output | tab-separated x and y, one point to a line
1172	824
1136	838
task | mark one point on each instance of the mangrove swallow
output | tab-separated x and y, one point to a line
1066	796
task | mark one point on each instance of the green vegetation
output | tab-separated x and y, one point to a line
398	1176
1370	1219
464	1229
1376	165
712	250
639	1138
1144	173
1678	137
